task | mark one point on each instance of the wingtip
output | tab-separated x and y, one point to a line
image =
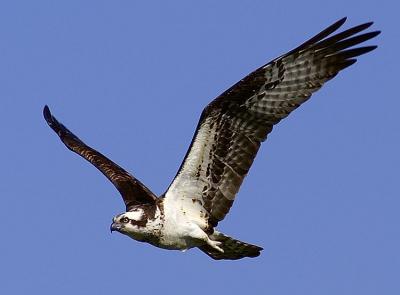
51	121
335	26
46	109
370	48
341	21
377	32
368	24
47	114
347	63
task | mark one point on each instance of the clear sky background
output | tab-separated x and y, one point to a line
131	78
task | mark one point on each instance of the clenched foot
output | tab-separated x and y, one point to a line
215	245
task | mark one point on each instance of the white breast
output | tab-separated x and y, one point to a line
179	231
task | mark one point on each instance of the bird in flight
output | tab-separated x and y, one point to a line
229	133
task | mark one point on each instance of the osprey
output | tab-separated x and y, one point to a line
229	133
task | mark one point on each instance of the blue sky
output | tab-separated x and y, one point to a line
131	78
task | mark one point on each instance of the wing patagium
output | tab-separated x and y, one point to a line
132	190
233	126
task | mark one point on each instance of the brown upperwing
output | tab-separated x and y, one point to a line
133	192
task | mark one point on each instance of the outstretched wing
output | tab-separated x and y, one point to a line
233	126
132	190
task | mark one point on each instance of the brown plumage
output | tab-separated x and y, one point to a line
133	192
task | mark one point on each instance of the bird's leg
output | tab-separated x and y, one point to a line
198	234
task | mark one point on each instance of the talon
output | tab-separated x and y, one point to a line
219	249
215	245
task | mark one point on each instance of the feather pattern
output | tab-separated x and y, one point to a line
233	126
132	190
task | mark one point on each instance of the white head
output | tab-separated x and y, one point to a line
132	223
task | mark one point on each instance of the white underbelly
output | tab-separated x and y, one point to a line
178	231
178	235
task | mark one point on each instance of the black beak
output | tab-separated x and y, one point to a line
115	227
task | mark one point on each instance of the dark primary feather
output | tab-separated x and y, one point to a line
132	190
233	126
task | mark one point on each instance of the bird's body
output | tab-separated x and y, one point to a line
228	136
163	226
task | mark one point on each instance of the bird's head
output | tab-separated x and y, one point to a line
132	223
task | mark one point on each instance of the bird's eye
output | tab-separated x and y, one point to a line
125	220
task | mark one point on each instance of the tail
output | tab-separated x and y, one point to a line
233	249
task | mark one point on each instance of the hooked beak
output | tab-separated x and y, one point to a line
115	227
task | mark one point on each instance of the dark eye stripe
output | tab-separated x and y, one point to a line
139	223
